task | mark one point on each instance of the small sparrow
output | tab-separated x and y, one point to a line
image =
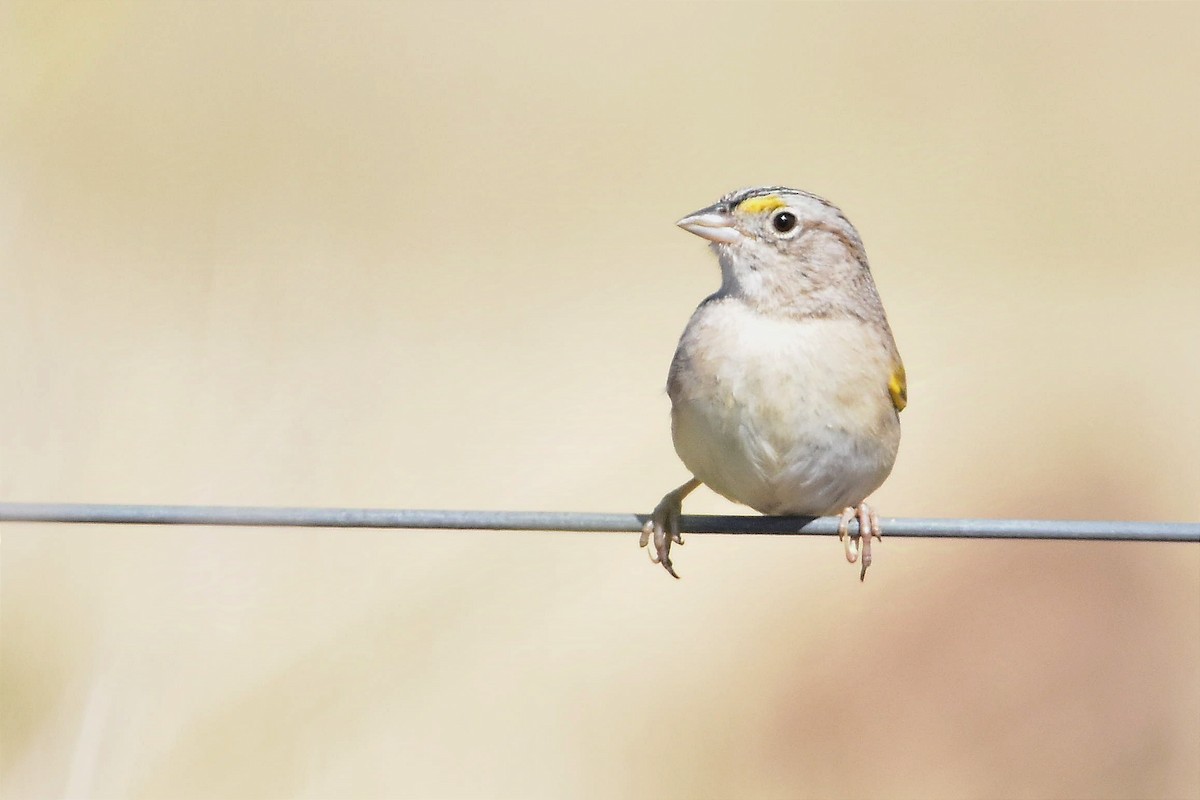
786	387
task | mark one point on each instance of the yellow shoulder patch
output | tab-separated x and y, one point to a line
759	205
898	388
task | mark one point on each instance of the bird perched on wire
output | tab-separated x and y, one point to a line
786	386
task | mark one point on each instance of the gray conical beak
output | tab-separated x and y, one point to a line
714	223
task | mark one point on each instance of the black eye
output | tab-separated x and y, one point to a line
784	221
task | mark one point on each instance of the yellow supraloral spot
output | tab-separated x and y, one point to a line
758	205
898	388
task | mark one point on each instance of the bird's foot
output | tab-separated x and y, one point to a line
663	526
859	543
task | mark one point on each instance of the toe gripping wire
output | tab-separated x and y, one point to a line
665	526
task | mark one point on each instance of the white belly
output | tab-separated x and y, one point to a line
785	416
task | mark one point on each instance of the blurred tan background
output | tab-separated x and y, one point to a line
423	256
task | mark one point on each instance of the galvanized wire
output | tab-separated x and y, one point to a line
568	521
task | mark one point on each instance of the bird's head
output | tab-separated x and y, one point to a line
784	250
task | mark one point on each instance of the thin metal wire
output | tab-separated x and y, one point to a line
581	522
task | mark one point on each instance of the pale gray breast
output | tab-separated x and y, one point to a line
780	412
